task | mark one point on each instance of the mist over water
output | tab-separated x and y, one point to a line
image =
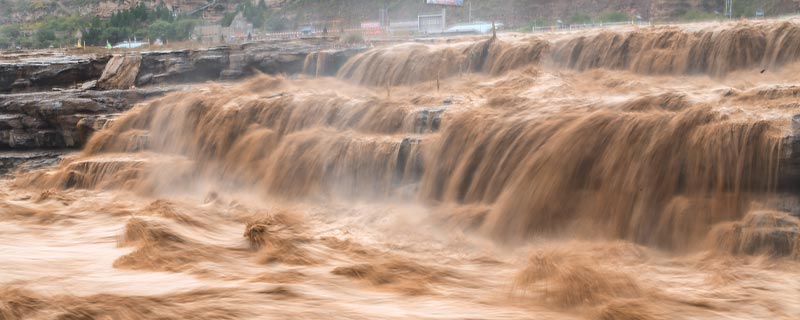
639	174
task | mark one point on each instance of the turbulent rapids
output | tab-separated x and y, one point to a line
633	174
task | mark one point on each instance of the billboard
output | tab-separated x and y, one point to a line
447	2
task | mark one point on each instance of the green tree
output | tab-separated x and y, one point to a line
161	13
227	19
45	37
10	31
140	12
26	42
95	33
160	29
9	35
254	14
182	29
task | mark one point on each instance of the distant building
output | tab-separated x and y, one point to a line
214	34
209	34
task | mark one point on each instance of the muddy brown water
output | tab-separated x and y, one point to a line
526	187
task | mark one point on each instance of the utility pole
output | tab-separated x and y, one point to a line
729	9
470	12
444	19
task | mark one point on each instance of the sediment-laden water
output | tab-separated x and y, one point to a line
644	174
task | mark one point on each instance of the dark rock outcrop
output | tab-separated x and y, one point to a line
29	159
33	116
237	61
50	72
767	233
62	119
789	167
177	66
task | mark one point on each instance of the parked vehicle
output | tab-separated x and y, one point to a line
307	31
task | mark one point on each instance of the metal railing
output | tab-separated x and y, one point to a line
584	26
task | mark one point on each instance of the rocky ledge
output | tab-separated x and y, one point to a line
48	71
29	159
54	101
235	62
63	119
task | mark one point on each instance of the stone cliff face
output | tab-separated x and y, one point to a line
46	73
56	102
235	61
177	66
63	119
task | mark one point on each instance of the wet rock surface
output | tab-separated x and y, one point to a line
48	100
790	158
29	159
235	61
120	72
62	119
49	72
770	233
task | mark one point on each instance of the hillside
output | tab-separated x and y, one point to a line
19	11
513	11
115	20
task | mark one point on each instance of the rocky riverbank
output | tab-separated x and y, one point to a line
63	119
29	73
55	101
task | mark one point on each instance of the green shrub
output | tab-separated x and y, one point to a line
183	29
614	16
579	18
160	29
353	38
228	19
